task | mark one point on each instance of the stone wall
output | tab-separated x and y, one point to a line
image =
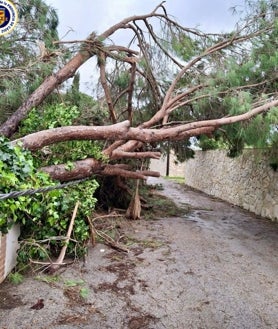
176	169
246	181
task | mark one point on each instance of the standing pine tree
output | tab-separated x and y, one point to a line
27	54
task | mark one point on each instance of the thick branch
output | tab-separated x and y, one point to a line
43	138
168	99
45	89
188	130
66	72
148	74
199	127
90	167
81	169
181	96
110	170
122	131
102	62
118	154
121	49
130	92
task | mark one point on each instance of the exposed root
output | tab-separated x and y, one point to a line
134	209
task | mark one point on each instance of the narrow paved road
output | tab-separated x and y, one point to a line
231	257
215	268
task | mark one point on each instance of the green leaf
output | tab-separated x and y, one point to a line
84	292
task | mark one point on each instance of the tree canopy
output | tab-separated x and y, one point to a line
168	83
23	67
164	85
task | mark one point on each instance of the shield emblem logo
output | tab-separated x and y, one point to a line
2	16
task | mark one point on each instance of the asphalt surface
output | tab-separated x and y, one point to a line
214	268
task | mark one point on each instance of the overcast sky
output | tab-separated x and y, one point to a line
85	16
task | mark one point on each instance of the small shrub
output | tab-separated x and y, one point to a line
43	215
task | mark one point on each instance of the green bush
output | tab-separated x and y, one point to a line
17	172
44	217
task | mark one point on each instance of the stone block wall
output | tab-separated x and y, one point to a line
246	181
176	169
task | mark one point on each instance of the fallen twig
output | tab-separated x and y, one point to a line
93	232
106	216
113	244
60	259
108	240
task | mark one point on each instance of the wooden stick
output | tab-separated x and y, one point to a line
61	257
93	232
111	242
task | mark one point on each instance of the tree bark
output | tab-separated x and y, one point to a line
91	167
128	141
46	88
43	138
89	48
123	132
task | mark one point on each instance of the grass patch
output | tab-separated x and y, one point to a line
176	179
159	206
145	243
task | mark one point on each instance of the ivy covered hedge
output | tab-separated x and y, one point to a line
44	217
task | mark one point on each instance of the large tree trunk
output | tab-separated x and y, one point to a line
123	131
90	47
89	167
128	141
45	89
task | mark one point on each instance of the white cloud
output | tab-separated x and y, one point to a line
86	16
